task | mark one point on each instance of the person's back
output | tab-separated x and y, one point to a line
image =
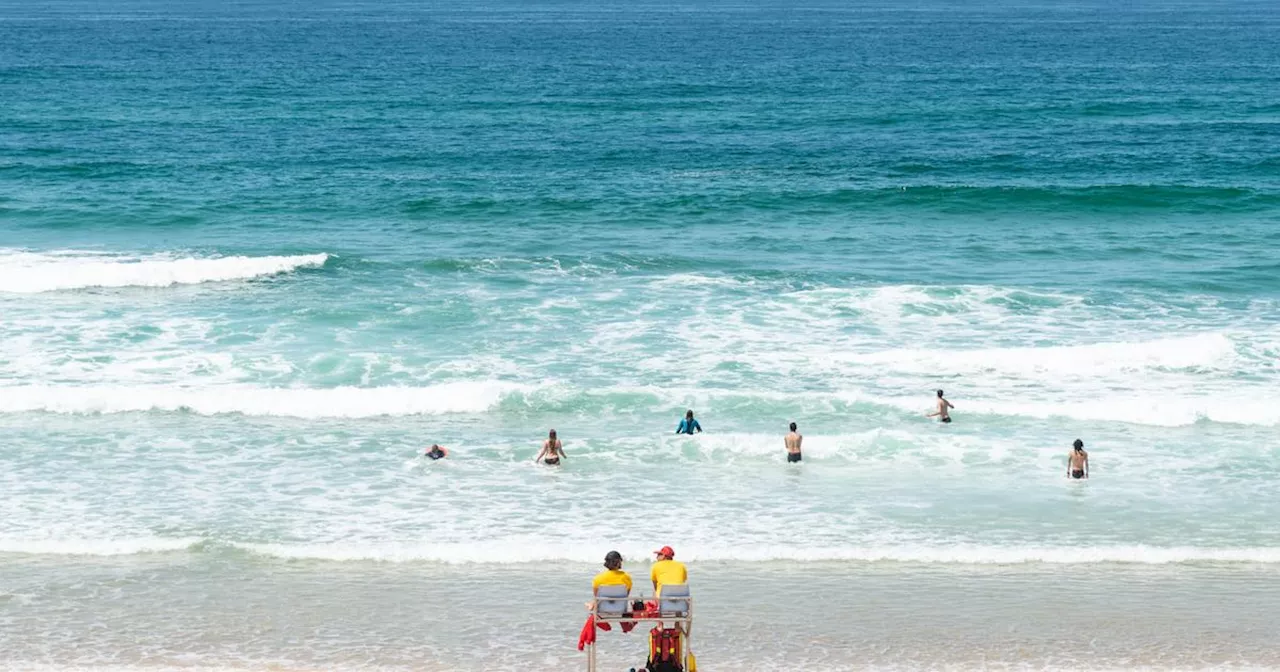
688	425
944	409
666	571
793	441
552	450
612	574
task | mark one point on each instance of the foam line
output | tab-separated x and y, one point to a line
520	552
339	402
33	273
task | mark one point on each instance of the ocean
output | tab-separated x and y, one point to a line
256	256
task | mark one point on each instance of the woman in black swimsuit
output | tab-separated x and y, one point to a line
552	450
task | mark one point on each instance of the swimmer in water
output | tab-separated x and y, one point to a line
1078	461
552	449
688	425
435	452
792	442
943	407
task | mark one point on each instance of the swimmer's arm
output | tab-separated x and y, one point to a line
697	426
1086	466
949	404
541	453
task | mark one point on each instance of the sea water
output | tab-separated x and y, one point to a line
254	258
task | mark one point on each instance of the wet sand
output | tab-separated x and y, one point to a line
204	611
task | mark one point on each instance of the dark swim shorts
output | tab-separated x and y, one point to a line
947	419
553	461
1077	473
793	457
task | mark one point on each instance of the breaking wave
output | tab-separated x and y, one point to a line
1244	406
521	551
33	273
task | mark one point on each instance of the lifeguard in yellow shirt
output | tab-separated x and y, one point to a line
666	571
612	574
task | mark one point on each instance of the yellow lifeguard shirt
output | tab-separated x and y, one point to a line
668	572
611	577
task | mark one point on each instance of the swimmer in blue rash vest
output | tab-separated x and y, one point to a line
688	425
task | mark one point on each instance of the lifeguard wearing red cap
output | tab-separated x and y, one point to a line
667	571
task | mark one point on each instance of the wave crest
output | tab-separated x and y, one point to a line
1242	407
34	273
523	552
527	551
96	547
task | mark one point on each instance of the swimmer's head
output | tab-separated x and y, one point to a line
551	434
613	560
939	394
689	414
793	426
1078	445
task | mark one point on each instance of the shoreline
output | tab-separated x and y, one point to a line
201	612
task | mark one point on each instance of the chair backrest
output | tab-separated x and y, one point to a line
611	599
675	590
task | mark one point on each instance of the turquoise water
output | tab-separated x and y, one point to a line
253	259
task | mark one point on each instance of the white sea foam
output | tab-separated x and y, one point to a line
1202	351
31	273
891	304
97	547
1155	407
339	402
815	445
1240	407
521	552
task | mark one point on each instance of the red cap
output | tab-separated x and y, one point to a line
665	550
